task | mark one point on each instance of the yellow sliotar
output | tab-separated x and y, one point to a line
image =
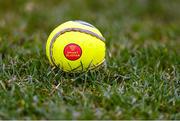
76	46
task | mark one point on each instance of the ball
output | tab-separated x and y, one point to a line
76	46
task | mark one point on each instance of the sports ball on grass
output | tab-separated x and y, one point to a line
76	46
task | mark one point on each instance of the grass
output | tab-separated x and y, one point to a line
142	79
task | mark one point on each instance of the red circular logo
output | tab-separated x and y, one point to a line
72	51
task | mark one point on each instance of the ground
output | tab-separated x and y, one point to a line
142	79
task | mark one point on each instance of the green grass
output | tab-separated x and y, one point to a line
142	79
